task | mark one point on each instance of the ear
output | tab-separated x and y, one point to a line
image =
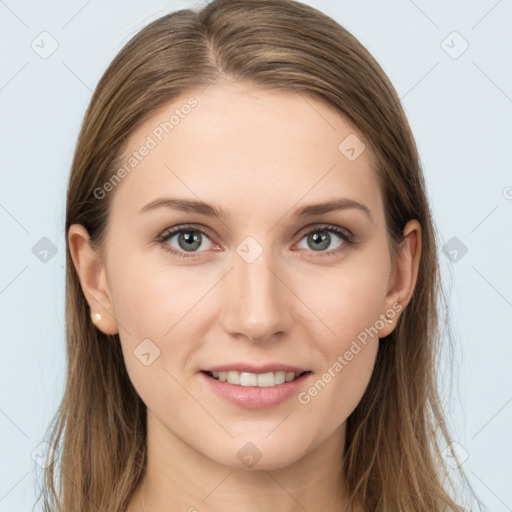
403	276
92	275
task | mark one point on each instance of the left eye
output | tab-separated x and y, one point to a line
320	239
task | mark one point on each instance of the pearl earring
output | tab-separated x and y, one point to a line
388	319
96	318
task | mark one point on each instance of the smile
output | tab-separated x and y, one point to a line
261	380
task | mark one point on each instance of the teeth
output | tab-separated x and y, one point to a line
261	380
247	379
233	377
289	376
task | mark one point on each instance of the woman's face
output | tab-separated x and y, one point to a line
260	289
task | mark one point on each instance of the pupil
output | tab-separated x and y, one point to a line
191	239
319	241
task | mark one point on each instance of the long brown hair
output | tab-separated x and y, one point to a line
395	436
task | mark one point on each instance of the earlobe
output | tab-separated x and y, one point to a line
405	275
92	275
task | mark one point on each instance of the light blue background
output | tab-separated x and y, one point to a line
460	111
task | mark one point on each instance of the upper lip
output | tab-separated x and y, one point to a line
252	368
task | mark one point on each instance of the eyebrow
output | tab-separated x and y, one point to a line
189	205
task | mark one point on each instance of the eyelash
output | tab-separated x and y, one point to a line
344	234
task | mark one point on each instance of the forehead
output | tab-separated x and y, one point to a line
247	149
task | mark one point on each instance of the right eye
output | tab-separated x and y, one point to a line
189	239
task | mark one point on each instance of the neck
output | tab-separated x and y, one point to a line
179	478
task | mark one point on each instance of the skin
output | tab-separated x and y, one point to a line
259	155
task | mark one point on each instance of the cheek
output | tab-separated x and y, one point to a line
348	298
159	308
152	296
349	302
348	355
156	307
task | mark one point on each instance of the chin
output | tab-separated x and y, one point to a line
252	454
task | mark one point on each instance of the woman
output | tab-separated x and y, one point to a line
252	283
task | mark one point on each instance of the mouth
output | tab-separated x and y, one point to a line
260	380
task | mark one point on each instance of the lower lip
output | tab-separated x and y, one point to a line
253	397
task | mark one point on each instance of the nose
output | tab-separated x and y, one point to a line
258	302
